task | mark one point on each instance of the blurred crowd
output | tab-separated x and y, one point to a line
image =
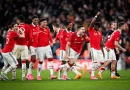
76	11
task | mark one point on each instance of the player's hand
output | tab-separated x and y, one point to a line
54	41
51	44
117	51
21	31
124	50
107	49
97	13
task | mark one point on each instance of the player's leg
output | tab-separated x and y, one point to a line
48	53
101	61
40	56
113	67
10	60
95	63
117	58
14	69
108	59
84	68
31	64
72	57
4	68
17	54
24	58
61	66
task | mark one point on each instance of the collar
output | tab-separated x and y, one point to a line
34	25
79	35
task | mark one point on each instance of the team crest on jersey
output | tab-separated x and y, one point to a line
82	39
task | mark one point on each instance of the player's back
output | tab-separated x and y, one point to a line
27	32
11	38
115	36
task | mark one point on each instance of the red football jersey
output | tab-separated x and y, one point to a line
77	42
63	36
44	38
35	33
111	40
11	38
95	38
27	33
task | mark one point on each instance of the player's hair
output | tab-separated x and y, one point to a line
35	16
21	18
113	22
80	26
120	24
56	24
12	25
43	19
67	23
97	24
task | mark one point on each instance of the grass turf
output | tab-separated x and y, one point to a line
82	84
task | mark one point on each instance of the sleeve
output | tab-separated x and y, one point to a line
30	33
15	35
49	35
89	30
86	38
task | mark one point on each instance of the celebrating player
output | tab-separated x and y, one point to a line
9	59
117	52
73	50
62	35
33	45
95	42
44	49
21	47
111	43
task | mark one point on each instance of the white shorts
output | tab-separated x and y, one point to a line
62	55
73	54
9	59
32	50
44	51
97	55
109	55
21	51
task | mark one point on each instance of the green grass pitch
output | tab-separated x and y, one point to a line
82	84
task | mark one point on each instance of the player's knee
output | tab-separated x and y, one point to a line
13	66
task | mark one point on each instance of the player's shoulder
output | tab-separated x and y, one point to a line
73	34
61	30
90	29
116	32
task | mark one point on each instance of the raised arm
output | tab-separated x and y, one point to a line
94	19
